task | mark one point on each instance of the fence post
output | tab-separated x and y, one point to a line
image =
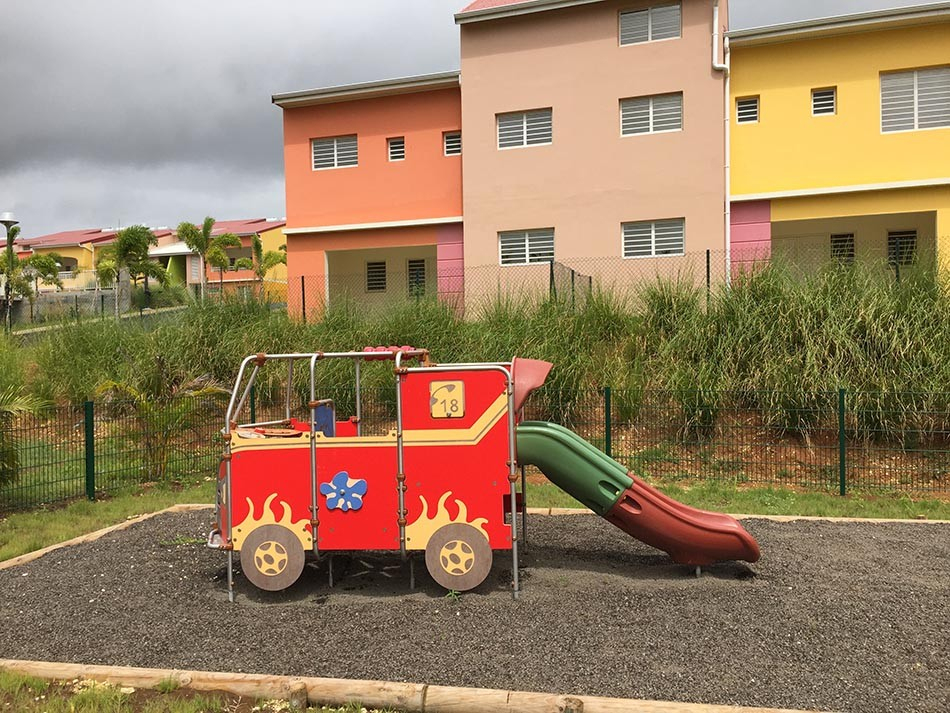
90	450
572	290
607	423
552	290
253	399
842	448
708	275
303	300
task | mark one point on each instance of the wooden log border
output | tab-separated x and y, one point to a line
408	697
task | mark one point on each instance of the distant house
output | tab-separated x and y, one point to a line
184	267
78	252
841	138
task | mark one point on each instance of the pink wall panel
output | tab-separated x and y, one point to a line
451	266
751	239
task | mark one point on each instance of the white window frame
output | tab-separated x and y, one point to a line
527	235
649	12
395	145
653	224
385	286
651	118
834	101
524	128
445	143
758	109
336	152
915	73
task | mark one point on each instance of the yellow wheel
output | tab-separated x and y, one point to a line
272	558
458	557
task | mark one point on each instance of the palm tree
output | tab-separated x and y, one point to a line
13	404
198	240
217	254
265	262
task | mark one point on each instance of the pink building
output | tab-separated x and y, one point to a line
591	136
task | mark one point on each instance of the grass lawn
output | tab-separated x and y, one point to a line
727	497
27	694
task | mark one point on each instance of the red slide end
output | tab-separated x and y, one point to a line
689	536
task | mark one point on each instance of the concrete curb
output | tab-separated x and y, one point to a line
408	697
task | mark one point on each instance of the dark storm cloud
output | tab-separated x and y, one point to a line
121	111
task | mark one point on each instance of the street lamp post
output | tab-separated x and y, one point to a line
8	220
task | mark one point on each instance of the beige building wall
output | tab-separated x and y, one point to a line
590	179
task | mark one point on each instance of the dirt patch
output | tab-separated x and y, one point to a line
836	616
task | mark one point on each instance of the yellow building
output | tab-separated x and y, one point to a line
840	138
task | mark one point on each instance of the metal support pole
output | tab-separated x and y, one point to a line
842	447
400	474
90	450
359	407
303	300
524	508
608	423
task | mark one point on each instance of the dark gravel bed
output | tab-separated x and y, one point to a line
850	617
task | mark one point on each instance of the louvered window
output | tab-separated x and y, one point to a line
823	101
416	277
334	152
452	143
901	247
654	237
524	128
397	148
655	23
376	276
520	247
747	110
650	115
919	99
842	248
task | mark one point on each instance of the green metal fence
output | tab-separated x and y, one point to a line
838	441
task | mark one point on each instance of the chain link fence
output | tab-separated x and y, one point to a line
835	442
572	279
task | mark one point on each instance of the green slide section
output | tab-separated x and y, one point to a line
572	464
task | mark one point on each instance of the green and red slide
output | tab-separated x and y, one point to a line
689	536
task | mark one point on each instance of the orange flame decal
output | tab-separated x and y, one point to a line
422	528
251	523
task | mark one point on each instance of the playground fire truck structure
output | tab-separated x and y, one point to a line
443	482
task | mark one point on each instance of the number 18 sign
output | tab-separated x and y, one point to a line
447	399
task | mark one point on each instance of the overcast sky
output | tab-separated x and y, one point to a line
114	112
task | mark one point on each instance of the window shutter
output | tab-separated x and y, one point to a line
822	101
842	248
520	247
643	115
634	27
665	22
452	143
520	129
656	23
901	247
747	110
376	276
416	277
654	238
897	101
334	152
635	116
397	148
933	98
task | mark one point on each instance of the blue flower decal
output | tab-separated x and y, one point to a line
344	493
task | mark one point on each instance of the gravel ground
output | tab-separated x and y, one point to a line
849	617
